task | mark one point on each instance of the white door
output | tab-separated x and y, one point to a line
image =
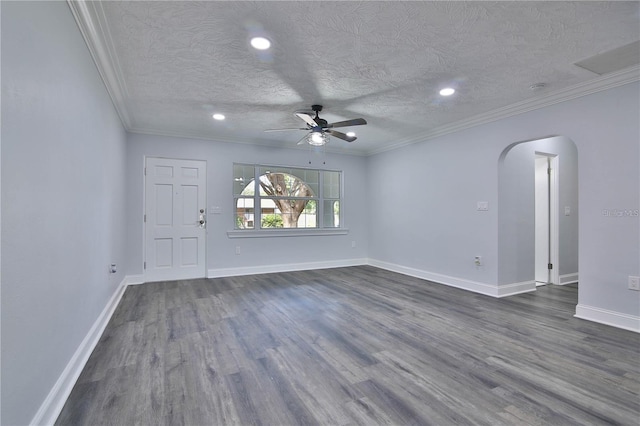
175	219
547	239
542	225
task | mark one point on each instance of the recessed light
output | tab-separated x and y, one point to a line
537	86
260	43
351	134
447	91
218	117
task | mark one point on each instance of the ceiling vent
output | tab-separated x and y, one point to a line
613	60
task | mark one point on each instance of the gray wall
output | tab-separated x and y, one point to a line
433	188
62	200
255	252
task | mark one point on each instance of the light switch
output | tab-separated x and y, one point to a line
567	210
214	210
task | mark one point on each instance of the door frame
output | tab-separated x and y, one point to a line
554	218
144	210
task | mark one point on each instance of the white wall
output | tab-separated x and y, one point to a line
439	181
257	254
63	200
423	210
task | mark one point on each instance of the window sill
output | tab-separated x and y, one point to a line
262	233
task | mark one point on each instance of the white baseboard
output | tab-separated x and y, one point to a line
568	279
512	289
55	400
134	279
603	316
289	267
474	286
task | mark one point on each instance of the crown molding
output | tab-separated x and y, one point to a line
89	16
609	81
90	19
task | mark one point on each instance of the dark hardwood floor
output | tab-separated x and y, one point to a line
353	346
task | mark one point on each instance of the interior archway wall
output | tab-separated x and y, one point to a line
516	224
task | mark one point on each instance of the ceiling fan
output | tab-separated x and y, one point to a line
318	128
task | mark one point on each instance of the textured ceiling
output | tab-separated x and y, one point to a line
170	65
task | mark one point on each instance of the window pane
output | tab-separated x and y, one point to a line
290	180
331	184
311	178
287	198
277	184
287	213
331	214
308	216
244	213
242	176
249	189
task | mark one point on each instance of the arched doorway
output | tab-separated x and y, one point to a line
517	212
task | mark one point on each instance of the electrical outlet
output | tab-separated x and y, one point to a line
478	260
353	244
634	283
237	249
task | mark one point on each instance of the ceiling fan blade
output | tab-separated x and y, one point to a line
341	135
307	119
354	122
284	130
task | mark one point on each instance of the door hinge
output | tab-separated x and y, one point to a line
145	218
145	171
144	265
550	266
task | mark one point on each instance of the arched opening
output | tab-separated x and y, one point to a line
517	213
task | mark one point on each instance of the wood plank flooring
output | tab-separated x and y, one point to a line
353	346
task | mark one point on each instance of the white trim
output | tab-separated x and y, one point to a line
512	289
92	24
294	232
289	267
474	286
134	279
568	279
55	400
554	214
604	316
554	207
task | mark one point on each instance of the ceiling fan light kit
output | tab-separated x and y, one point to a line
317	138
319	129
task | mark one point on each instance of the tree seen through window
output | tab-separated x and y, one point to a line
287	197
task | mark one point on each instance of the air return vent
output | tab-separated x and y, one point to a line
613	60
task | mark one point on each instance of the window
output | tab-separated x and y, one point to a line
269	197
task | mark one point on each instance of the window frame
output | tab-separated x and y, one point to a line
258	231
